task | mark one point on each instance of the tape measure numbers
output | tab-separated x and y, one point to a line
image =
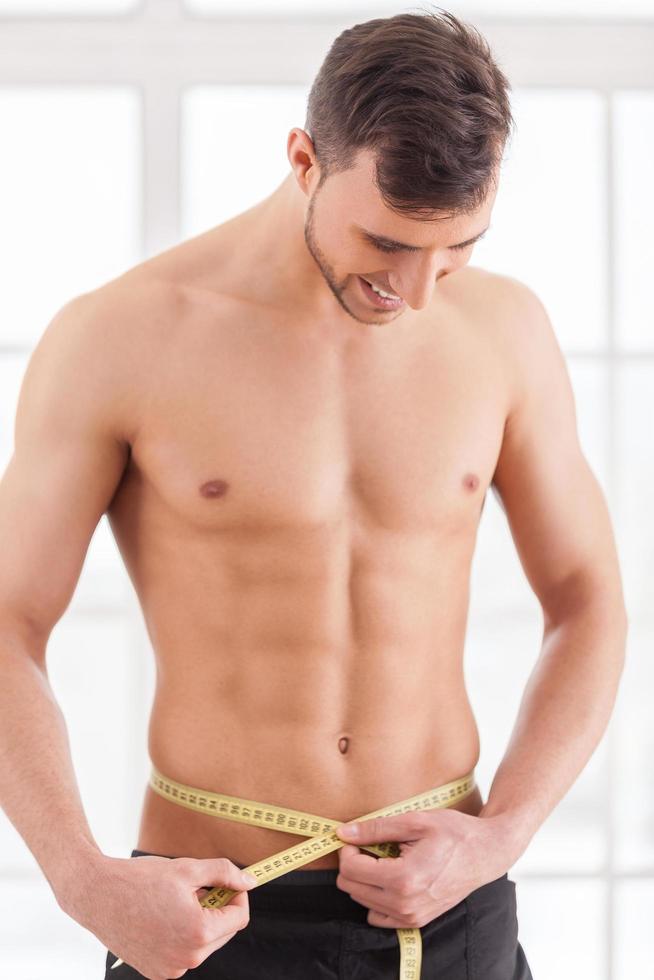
322	835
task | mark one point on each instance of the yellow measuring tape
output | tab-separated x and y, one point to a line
322	834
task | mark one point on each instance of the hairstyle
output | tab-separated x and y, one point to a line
423	91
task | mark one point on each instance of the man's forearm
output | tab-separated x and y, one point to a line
564	711
38	789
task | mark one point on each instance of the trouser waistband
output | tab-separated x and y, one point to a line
313	893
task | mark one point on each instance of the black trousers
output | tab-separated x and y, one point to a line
304	927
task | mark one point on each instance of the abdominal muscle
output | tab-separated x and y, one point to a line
298	519
330	733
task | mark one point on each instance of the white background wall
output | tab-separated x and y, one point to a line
139	125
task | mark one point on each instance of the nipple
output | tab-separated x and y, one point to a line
471	481
214	488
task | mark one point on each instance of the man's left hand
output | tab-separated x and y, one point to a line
444	855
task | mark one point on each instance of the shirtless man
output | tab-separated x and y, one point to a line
295	477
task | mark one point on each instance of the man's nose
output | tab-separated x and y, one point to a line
416	284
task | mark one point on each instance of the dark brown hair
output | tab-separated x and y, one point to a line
423	91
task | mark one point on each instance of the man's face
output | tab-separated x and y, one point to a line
349	205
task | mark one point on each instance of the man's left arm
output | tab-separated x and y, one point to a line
561	528
560	524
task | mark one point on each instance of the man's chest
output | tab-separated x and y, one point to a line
262	431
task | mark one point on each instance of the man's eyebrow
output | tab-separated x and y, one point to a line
381	239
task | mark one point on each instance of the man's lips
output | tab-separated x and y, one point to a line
381	302
378	285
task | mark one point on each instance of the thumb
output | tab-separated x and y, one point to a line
217	873
380	830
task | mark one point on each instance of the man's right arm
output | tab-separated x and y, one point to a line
69	456
78	409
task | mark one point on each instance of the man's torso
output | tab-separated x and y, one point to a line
298	515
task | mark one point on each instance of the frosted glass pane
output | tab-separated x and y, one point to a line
562	928
233	148
634	942
485	8
548	221
92	8
634	749
70	197
634	474
498	583
590	384
634	215
98	671
500	654
59	948
104	579
12	368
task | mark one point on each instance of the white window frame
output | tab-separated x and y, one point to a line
162	48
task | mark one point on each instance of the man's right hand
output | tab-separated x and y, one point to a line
146	910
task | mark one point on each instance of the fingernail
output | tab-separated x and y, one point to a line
249	879
349	830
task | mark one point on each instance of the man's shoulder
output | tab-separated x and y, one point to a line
507	310
513	329
130	315
526	339
496	294
134	291
105	342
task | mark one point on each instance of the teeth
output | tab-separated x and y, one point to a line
381	292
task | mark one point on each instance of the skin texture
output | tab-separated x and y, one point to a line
295	480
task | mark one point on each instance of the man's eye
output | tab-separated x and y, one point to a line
392	248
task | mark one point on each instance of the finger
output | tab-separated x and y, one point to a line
385	921
347	870
379	830
424	914
234	916
216	927
381	872
347	884
214	873
372	898
238	898
217	944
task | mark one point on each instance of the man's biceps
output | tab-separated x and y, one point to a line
47	520
540	446
557	526
37	582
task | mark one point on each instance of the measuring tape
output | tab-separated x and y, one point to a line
322	834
